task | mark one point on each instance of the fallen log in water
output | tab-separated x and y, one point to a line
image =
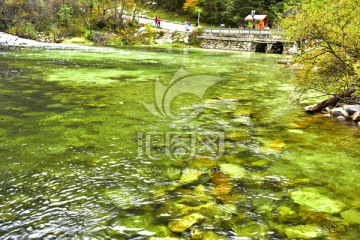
329	102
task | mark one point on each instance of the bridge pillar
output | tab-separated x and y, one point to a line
290	48
269	47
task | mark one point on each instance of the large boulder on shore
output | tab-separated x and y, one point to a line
339	112
356	116
351	109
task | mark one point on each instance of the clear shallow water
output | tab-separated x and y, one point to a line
81	157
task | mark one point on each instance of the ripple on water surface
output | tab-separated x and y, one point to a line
81	156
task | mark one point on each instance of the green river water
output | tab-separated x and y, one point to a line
218	153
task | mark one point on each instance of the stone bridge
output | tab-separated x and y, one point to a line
251	40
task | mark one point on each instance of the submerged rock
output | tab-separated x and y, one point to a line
142	225
196	233
242	136
304	232
242	113
125	199
250	230
233	170
223	184
351	216
272	145
285	214
227	208
181	225
163	238
199	234
311	198
203	163
265	210
194	196
260	163
208	209
285	211
193	176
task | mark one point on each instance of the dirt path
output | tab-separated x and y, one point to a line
165	25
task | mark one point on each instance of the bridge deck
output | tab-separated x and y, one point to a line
243	39
240	31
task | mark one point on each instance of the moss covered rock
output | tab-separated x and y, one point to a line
311	198
233	170
304	232
250	230
181	225
351	216
193	176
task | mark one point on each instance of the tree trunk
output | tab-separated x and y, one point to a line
329	102
121	13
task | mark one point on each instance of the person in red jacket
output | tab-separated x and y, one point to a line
156	21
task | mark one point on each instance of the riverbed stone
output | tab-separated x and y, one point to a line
125	199
285	213
163	238
178	208
337	112
233	171
351	109
304	232
250	230
312	199
208	235
197	233
260	163
213	236
274	145
356	116
181	225
194	176
351	216
265	210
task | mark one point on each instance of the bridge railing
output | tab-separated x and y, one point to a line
239	32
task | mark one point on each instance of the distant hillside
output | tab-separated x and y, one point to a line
229	12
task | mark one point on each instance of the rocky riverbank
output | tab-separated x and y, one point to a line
346	112
343	106
8	40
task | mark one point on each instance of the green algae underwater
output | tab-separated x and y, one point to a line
83	158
